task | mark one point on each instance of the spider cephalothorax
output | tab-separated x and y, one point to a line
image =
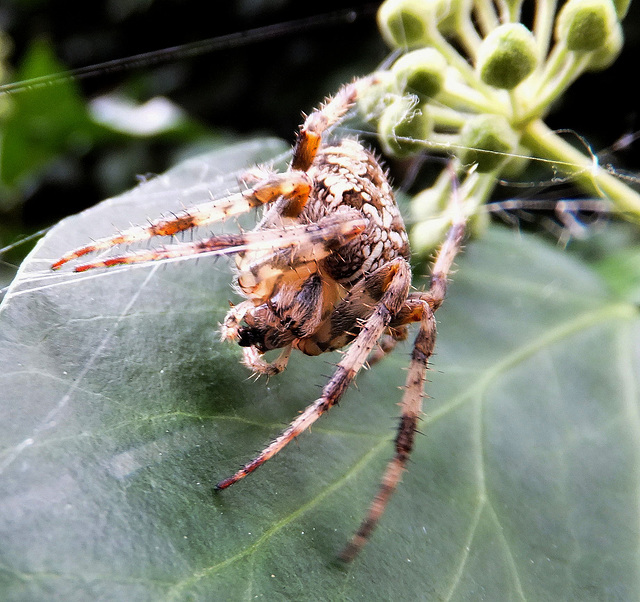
327	266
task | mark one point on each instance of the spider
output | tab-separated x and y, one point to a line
326	267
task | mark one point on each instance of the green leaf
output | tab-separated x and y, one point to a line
122	409
44	121
622	271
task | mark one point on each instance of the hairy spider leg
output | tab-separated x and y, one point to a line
387	343
296	243
293	186
411	409
398	276
322	118
253	360
231	324
419	307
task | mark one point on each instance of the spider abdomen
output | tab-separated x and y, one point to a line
348	176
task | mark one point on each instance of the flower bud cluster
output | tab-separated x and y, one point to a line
471	79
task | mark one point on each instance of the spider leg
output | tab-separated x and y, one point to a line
289	241
321	119
343	324
231	324
387	343
419	306
291	313
411	409
253	360
398	277
294	186
306	245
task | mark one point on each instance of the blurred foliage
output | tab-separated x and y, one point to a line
41	125
52	150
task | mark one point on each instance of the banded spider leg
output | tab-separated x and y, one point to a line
420	306
394	310
291	188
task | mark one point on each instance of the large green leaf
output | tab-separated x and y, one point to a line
121	408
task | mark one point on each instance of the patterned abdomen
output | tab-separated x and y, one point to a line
347	176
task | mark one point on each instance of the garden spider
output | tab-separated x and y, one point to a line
326	267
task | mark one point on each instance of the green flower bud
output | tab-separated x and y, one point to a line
428	235
403	128
586	25
378	96
485	140
507	56
621	6
420	72
605	56
405	23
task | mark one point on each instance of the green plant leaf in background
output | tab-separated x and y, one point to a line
43	124
121	409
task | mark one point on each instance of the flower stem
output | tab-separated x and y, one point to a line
546	144
543	26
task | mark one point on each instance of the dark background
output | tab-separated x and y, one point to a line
254	86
